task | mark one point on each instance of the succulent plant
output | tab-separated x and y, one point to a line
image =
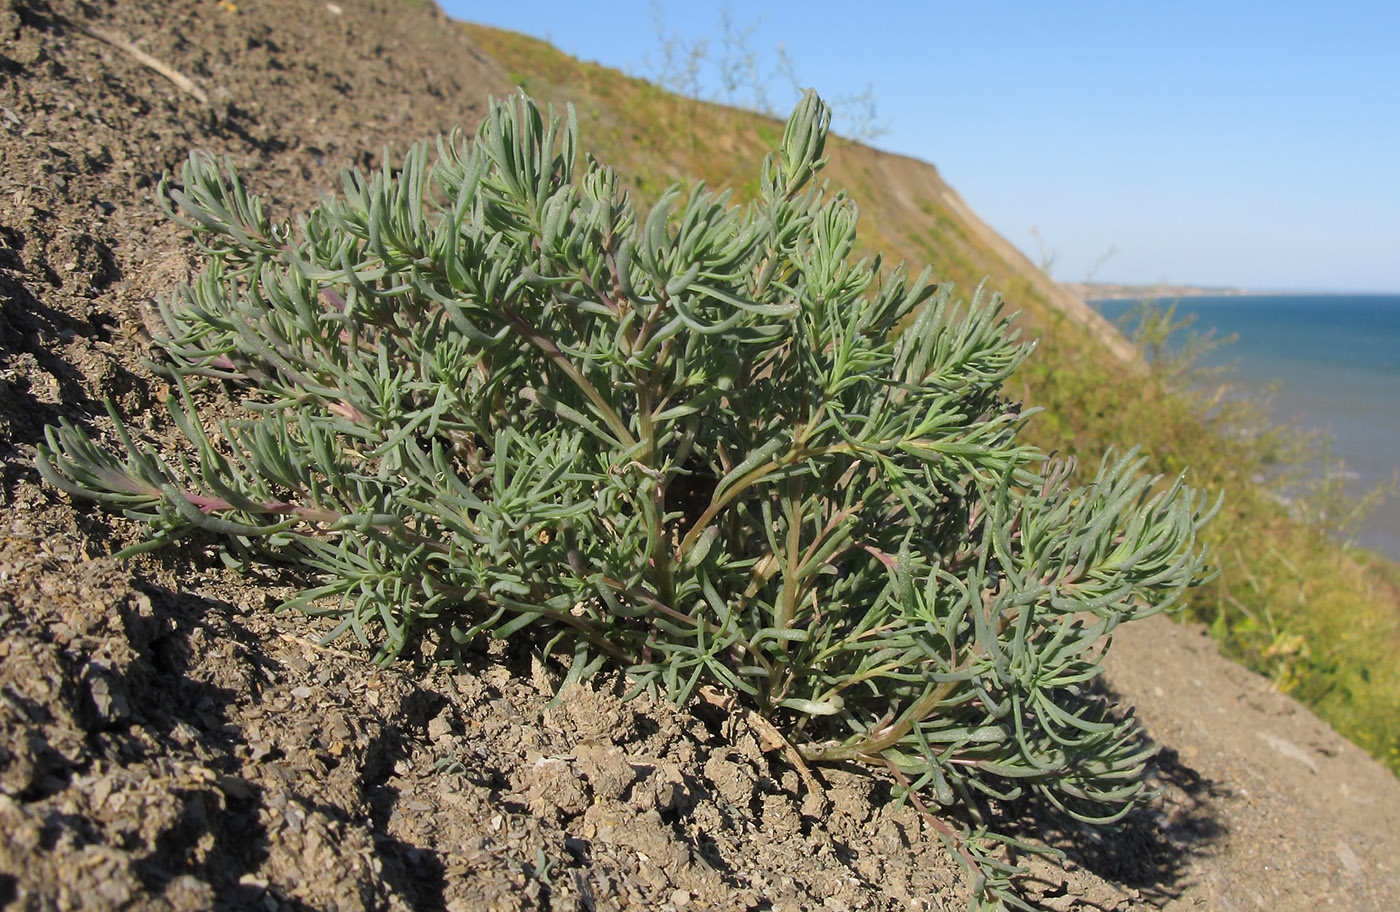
703	444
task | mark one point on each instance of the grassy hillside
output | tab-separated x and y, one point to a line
656	138
1323	623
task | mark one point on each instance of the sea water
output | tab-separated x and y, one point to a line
1333	363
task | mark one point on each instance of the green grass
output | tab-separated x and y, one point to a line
1321	621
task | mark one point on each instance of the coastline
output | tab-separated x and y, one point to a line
1113	291
1326	364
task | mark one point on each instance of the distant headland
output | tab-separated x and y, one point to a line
1101	291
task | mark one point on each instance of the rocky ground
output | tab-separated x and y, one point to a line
166	741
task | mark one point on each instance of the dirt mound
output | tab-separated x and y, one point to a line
166	742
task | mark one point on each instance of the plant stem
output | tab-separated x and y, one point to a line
544	344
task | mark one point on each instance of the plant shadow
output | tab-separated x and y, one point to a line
218	835
1151	849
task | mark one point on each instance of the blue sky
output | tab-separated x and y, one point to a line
1226	143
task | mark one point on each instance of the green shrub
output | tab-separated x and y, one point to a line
699	444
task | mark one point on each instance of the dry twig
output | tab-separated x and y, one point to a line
180	79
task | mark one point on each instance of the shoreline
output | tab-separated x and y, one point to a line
1285	353
1090	292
